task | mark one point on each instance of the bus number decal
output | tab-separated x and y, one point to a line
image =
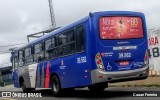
81	59
124	55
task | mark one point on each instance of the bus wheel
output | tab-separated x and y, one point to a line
98	87
26	90
56	86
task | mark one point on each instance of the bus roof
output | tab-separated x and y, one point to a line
78	22
54	32
117	13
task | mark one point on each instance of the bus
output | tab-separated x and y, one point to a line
103	47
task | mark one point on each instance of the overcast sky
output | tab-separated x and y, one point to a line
19	18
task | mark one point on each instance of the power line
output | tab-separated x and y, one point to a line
7	51
4	52
12	45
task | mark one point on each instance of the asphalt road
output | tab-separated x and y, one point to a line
111	93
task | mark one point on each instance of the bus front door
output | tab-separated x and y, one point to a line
15	72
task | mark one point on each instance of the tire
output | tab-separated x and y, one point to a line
26	90
98	87
56	86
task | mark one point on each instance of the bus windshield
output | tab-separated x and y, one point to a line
120	27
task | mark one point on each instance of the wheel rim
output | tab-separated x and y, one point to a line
55	86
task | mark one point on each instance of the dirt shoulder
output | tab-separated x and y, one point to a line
152	81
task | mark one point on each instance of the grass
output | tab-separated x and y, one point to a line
152	81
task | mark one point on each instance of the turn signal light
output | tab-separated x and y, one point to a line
146	56
97	56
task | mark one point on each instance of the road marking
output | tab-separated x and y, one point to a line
6	98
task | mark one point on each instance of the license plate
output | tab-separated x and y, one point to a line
124	63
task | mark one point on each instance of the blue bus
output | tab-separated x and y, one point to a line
109	46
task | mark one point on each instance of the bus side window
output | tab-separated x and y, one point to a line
38	52
80	39
28	56
47	44
61	42
55	51
20	57
70	45
52	50
66	43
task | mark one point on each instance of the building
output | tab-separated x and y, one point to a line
5	75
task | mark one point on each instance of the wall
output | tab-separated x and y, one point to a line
154	51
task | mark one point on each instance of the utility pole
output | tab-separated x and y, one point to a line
53	22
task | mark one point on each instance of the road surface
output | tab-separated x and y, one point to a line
111	93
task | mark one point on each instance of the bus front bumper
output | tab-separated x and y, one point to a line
98	76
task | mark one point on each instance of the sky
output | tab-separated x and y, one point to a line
18	18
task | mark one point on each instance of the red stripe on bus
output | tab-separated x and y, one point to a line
47	76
